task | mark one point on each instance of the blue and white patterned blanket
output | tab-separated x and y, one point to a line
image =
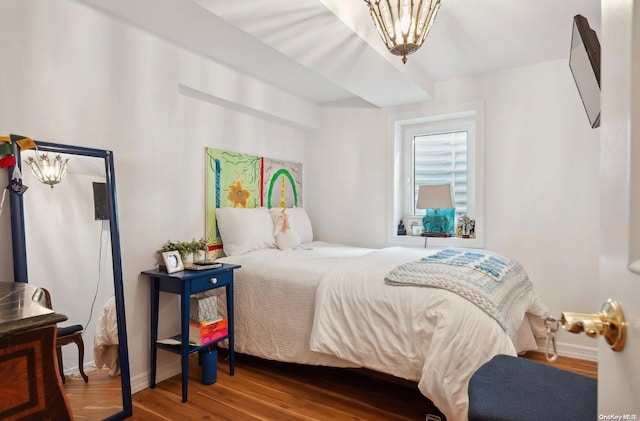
490	264
490	281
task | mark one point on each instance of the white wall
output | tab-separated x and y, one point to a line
541	178
73	75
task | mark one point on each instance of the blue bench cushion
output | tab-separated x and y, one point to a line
511	388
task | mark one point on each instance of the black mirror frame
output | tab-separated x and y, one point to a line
20	254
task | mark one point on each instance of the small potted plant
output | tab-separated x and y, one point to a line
189	250
199	248
168	246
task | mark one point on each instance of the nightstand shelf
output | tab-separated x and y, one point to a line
191	349
185	284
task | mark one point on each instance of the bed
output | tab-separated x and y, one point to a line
105	341
328	304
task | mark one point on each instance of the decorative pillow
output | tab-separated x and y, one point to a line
245	229
286	237
298	221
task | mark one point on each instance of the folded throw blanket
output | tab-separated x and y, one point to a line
490	281
489	263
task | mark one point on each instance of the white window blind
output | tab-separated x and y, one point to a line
441	158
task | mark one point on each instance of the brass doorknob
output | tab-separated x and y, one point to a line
609	322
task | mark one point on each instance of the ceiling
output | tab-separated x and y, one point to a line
327	51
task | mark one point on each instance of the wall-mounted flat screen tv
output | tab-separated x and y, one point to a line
584	61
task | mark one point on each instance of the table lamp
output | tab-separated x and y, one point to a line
438	198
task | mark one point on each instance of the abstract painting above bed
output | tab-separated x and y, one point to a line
248	181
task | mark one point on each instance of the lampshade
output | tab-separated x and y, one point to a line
434	196
47	172
403	24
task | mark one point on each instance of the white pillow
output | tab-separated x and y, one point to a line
245	229
299	222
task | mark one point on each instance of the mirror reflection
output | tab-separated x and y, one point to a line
69	251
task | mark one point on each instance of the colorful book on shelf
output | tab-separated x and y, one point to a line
208	324
200	332
207	339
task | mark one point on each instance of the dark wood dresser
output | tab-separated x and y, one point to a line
30	387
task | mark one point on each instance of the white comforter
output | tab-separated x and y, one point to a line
274	294
422	334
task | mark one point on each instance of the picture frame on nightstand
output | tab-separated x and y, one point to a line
172	261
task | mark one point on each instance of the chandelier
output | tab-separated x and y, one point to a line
47	172
403	24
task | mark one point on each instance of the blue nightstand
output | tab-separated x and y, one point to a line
186	283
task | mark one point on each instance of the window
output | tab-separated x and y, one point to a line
438	149
441	158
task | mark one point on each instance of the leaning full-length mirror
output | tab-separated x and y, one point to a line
66	239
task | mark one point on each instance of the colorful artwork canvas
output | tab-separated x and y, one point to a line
233	179
242	180
282	184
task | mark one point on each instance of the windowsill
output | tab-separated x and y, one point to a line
438	242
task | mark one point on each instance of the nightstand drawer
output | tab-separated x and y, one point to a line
211	281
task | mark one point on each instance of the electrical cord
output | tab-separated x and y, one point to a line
95	295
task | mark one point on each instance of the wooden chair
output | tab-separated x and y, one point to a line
66	335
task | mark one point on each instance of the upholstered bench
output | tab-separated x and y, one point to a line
511	388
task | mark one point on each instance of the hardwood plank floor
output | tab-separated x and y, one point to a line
97	399
268	390
586	368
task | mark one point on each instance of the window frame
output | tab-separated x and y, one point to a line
400	199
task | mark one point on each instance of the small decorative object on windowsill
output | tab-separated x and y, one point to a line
416	229
401	228
466	227
439	222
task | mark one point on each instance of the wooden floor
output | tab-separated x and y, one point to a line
267	390
586	368
97	399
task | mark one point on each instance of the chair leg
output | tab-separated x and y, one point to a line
60	368
80	344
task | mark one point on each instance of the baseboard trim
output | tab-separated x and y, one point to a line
579	352
141	381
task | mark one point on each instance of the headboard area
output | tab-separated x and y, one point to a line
247	181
